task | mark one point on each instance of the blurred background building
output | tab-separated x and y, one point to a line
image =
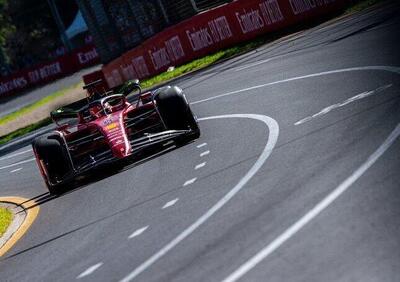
120	25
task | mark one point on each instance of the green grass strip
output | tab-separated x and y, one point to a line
35	105
5	220
25	130
359	5
201	63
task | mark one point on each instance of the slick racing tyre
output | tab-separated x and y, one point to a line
54	160
176	113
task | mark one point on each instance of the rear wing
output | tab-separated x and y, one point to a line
92	84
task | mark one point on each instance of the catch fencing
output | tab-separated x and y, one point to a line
211	31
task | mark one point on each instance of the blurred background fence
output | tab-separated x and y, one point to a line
119	25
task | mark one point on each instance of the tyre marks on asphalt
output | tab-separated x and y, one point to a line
344	103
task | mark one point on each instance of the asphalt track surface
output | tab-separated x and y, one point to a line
295	178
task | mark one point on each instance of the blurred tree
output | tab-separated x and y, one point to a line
28	32
6	29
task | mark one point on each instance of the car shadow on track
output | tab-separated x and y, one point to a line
46	197
97	175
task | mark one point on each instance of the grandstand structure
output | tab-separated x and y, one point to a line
120	25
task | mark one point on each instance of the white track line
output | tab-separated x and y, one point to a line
271	142
344	103
15	155
320	207
138	232
90	270
170	203
189	182
204	153
368	68
17	164
201	145
200	165
16	170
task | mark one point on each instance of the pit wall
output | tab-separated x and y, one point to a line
48	72
211	31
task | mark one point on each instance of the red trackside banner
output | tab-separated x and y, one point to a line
211	31
47	72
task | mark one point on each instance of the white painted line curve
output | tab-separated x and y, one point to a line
170	203
314	212
273	130
367	68
204	154
89	271
17	164
189	182
138	232
15	155
16	170
201	145
200	165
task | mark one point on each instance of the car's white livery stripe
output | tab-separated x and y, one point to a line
127	144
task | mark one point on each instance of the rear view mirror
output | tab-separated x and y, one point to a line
131	87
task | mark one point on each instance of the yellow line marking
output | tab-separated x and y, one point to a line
31	214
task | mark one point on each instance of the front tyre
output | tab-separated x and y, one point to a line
53	163
176	113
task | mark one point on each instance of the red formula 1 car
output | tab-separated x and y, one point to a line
110	129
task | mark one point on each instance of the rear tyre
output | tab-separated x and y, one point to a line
56	163
176	113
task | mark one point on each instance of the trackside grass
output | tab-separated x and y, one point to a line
5	220
22	131
202	62
37	104
359	5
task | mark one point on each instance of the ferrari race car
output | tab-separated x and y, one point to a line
109	129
